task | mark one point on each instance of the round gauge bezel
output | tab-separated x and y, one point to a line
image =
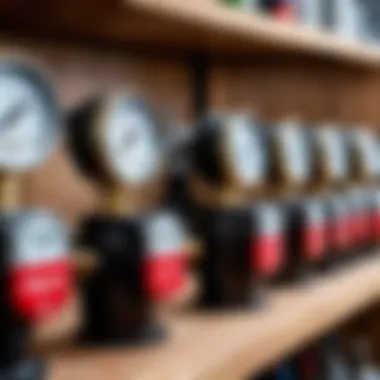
231	177
39	79
99	125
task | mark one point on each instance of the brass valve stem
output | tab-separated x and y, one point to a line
121	202
9	192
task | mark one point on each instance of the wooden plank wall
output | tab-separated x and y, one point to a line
271	86
314	90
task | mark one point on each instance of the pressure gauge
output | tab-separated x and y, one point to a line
230	151
116	139
365	155
331	152
291	148
29	117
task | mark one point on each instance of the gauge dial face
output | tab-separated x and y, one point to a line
333	145
246	150
364	141
37	237
28	118
295	150
131	143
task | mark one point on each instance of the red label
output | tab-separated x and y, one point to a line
267	254
340	233
314	242
366	226
352	227
38	291
165	274
376	225
360	228
345	238
284	12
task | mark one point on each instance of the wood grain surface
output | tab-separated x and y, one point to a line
223	346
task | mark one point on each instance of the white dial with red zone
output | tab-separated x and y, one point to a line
40	271
267	247
314	229
165	259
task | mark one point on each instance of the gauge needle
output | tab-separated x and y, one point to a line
12	115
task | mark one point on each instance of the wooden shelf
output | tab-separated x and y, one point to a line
220	27
232	345
194	26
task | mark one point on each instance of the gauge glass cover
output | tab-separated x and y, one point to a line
367	146
295	150
131	143
28	118
246	150
334	147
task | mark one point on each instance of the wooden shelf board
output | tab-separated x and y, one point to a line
231	345
218	26
182	26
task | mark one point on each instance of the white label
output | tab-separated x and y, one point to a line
36	237
311	12
358	199
376	197
347	17
314	212
164	234
340	205
270	219
295	150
